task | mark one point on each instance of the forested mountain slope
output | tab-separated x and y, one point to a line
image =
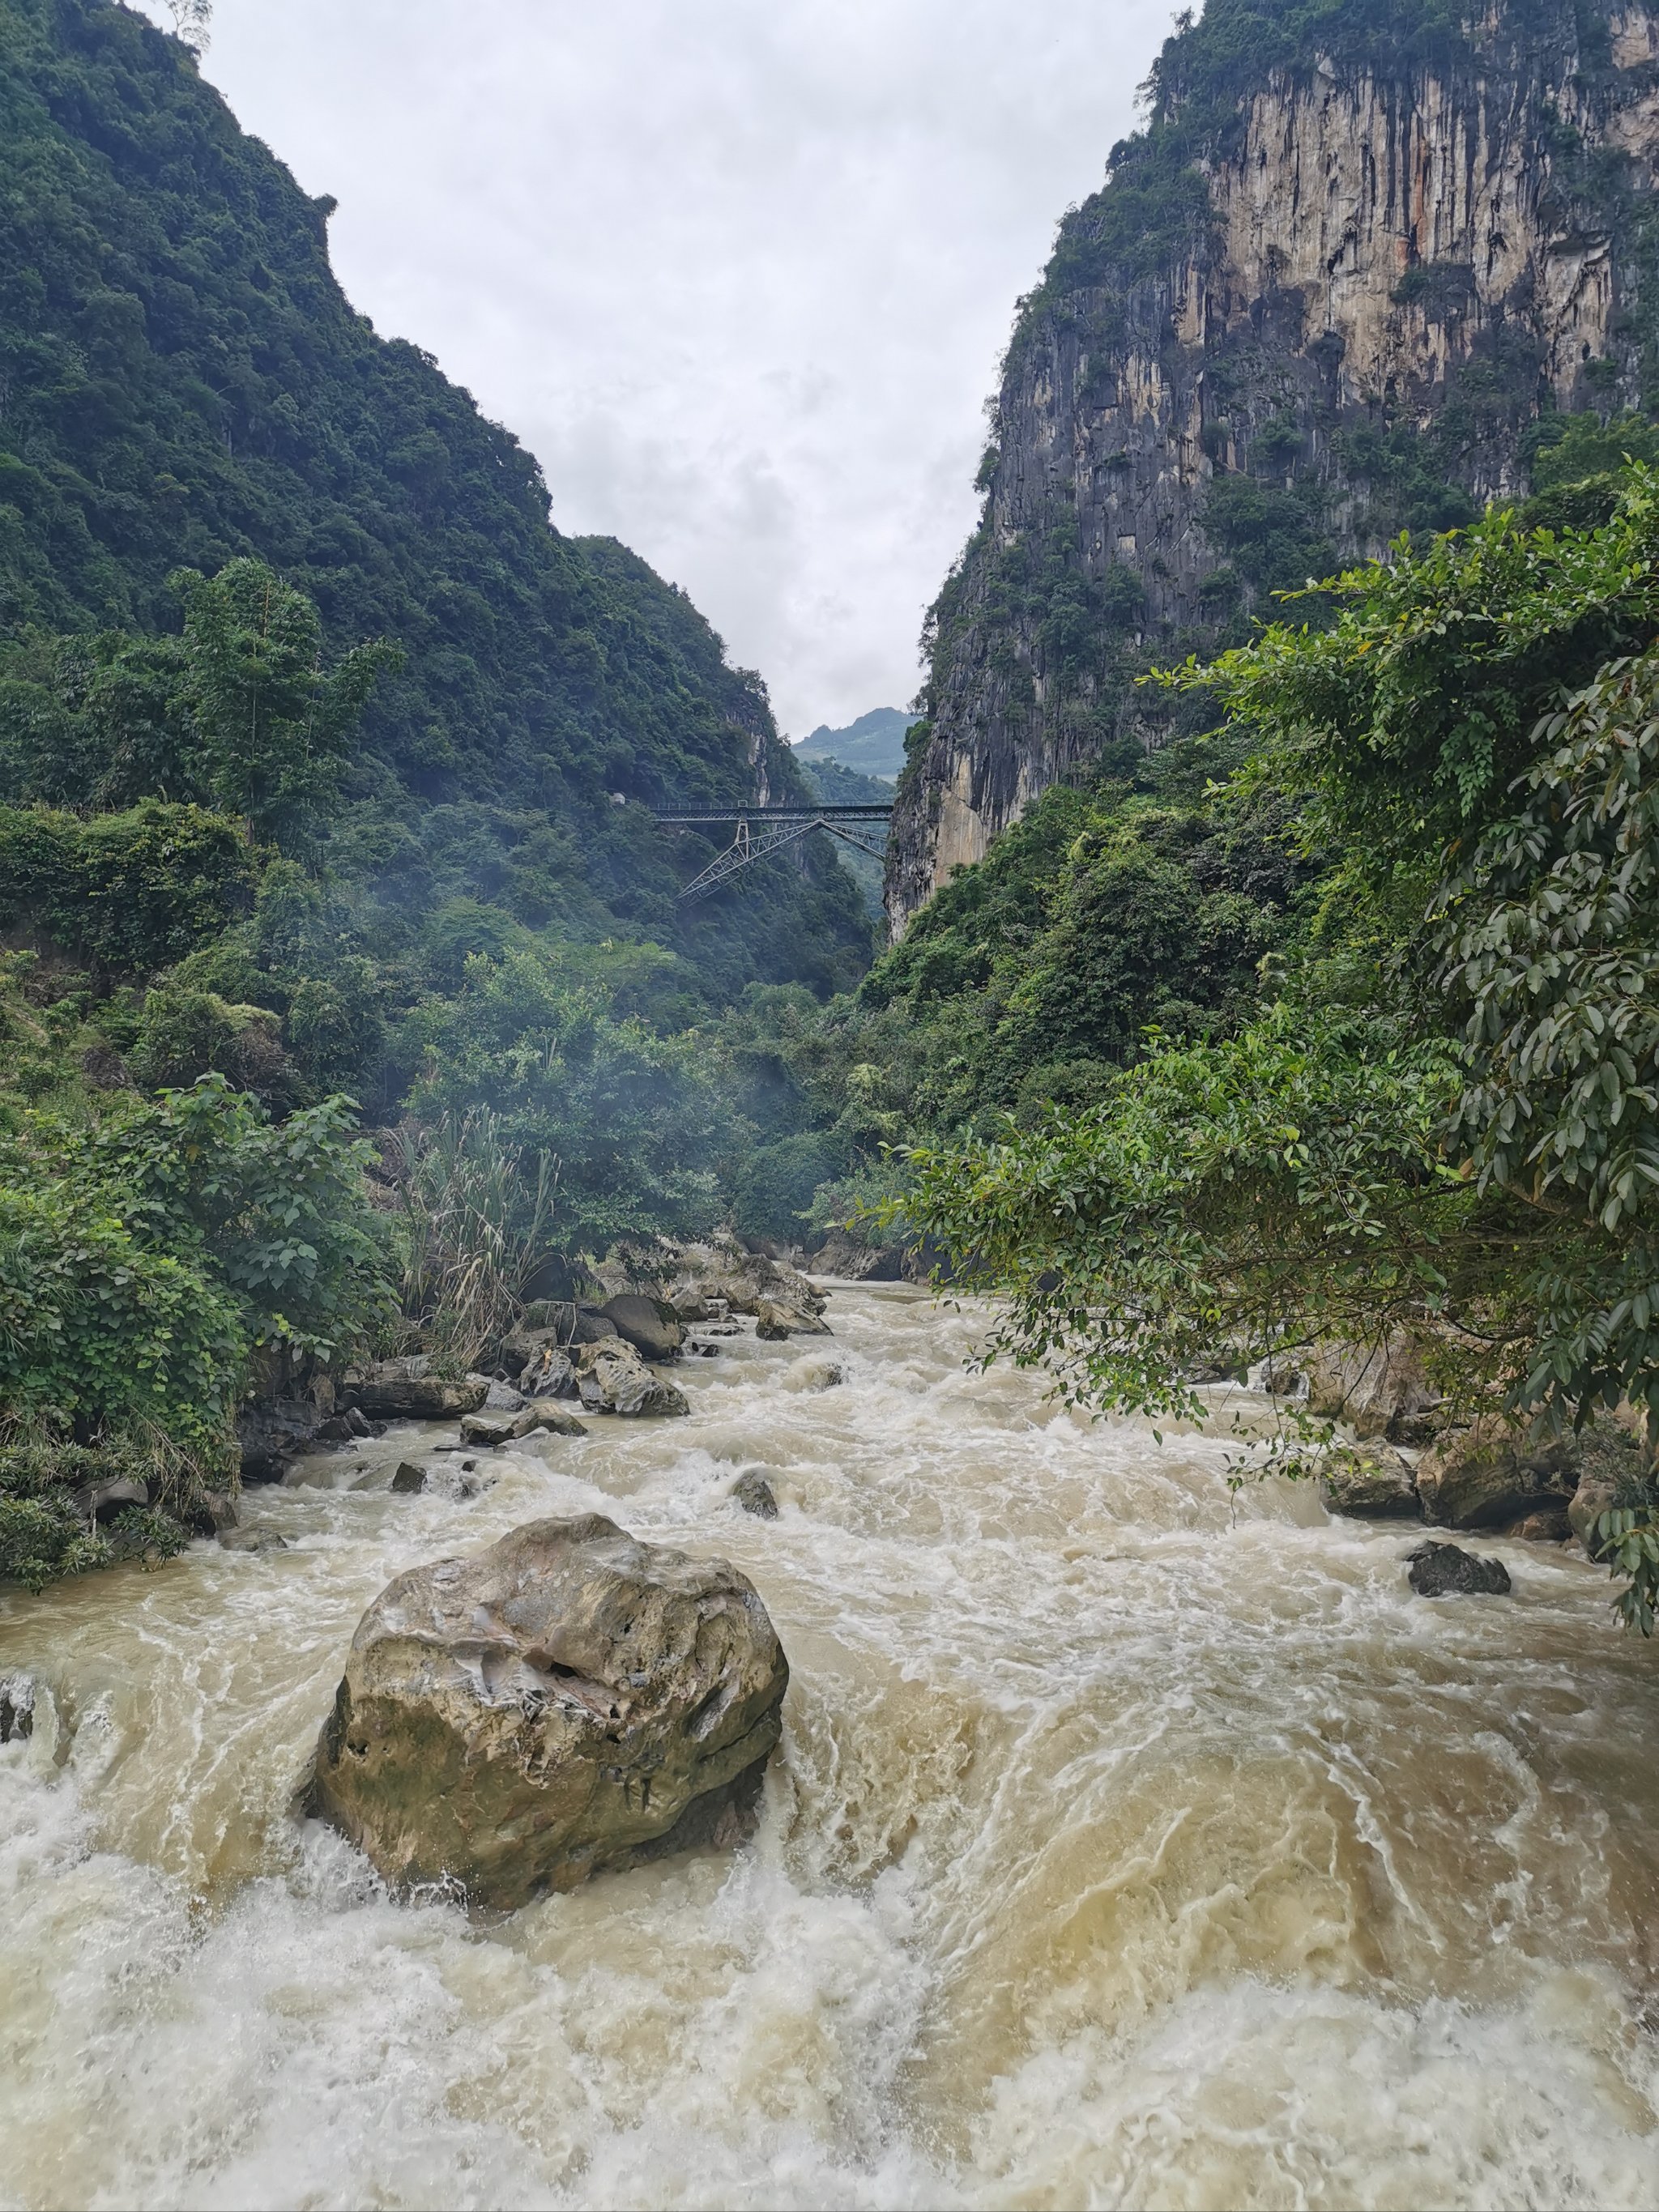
1363	268
182	381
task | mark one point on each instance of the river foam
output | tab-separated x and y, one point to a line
1132	1843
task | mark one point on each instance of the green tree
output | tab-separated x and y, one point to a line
272	723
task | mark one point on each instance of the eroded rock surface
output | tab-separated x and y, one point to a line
1379	1389
755	1495
613	1379
1488	1477
569	1701
1369	1481
408	1390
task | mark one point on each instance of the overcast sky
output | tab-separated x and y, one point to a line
739	272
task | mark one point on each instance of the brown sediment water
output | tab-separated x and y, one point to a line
1131	1844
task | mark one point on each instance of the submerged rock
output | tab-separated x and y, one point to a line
816	1375
252	1540
755	1494
1371	1482
1443	1571
569	1701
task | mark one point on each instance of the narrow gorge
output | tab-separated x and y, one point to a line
662	1544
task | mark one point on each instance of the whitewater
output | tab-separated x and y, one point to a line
1134	1841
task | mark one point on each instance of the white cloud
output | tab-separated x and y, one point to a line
739	272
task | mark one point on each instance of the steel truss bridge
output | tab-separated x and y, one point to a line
760	831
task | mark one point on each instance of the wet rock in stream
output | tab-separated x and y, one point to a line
569	1701
492	1429
1369	1481
407	1390
614	1379
252	1540
1444	1570
755	1494
17	1697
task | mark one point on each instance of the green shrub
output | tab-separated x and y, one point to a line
44	1533
133	891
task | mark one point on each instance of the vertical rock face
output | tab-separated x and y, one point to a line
1303	313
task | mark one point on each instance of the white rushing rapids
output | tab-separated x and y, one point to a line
1130	1844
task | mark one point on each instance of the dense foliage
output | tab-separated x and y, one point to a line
184	384
146	1257
1443	1107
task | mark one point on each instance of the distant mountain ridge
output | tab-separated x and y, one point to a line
874	745
182	381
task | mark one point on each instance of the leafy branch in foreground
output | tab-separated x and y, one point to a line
1222	1194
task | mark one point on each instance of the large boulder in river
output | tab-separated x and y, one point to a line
843	1256
1371	1482
1488	1476
569	1701
408	1390
612	1378
1379	1390
272	1432
776	1320
639	1321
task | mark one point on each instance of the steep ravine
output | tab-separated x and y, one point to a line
1301	314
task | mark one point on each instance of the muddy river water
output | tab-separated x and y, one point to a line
1130	1844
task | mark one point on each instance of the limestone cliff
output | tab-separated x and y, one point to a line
1357	257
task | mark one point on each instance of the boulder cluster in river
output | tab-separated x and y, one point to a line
1409	1453
602	1355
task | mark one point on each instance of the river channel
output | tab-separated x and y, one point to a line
1132	1843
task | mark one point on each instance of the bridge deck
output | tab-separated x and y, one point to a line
803	812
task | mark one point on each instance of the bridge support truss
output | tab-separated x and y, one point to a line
760	831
